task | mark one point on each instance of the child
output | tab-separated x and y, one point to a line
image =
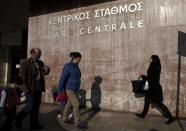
9	102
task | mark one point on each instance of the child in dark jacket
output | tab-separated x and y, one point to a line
10	103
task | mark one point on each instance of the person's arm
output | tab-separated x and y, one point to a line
23	75
154	75
2	101
144	77
63	79
3	98
45	68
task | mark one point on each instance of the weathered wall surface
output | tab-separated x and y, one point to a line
115	51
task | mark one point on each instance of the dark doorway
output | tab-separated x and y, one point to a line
17	53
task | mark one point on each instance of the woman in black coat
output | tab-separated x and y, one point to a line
154	94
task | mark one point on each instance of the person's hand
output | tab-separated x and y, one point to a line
140	74
144	77
25	89
2	110
46	69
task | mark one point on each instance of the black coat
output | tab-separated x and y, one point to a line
154	94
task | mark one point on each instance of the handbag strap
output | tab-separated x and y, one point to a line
140	77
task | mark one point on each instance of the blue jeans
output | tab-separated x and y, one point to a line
33	101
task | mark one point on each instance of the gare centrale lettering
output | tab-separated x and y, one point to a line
97	13
121	12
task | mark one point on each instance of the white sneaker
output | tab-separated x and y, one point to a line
70	116
59	116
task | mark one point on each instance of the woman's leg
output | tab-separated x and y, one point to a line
166	111
145	108
72	96
66	110
72	99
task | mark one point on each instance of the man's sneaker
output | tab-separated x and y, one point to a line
140	115
81	125
59	116
36	127
170	120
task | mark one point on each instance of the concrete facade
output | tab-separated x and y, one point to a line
118	53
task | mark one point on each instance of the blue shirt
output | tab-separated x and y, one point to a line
70	78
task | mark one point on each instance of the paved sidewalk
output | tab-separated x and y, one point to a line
104	121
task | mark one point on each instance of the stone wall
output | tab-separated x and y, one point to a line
117	54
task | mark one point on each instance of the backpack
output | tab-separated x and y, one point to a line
8	99
1	89
2	115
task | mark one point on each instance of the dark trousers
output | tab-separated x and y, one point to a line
160	105
33	101
10	115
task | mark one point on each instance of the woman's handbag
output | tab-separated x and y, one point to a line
138	85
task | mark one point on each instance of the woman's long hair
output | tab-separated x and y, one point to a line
155	62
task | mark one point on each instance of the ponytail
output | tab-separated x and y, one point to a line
75	55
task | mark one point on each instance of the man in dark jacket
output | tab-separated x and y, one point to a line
32	72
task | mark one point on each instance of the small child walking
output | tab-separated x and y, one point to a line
9	102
